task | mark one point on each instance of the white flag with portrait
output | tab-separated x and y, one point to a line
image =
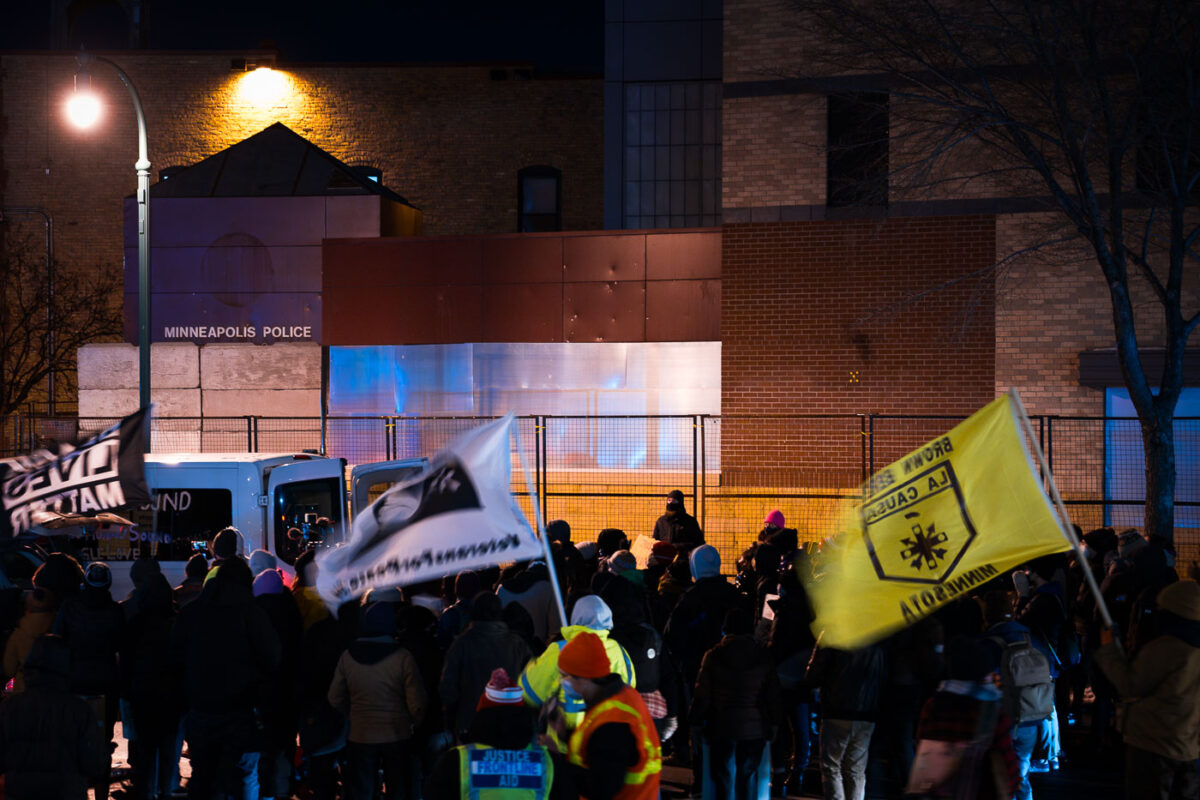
459	514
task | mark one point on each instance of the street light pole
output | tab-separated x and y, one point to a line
143	204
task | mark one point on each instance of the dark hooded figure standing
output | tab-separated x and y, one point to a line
677	526
229	651
151	687
48	747
485	645
92	624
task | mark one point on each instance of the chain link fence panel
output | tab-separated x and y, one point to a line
615	471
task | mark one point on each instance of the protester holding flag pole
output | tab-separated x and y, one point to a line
1064	518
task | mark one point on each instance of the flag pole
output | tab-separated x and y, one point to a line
541	528
1064	523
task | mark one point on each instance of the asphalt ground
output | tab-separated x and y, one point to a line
1088	775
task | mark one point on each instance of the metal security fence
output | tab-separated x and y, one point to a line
615	471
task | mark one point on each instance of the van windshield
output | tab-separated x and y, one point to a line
307	513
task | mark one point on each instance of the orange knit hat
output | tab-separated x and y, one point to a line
584	657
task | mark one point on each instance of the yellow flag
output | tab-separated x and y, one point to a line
951	515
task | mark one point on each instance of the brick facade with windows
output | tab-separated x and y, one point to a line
1047	305
450	139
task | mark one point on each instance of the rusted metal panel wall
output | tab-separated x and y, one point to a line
571	287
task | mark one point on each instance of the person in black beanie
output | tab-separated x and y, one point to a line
559	530
677	526
223	633
225	544
193	580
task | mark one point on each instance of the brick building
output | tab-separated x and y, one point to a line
451	139
827	302
779	192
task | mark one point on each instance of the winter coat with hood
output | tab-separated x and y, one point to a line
486	644
147	678
48	746
92	623
533	590
694	627
226	644
1160	688
851	682
541	680
377	683
280	696
737	691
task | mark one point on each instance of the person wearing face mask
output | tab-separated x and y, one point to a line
614	752
677	526
541	682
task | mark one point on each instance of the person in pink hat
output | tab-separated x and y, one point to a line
774	522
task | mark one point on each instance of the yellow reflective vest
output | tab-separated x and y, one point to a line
541	680
488	773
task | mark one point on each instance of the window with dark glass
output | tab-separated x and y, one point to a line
306	513
539	199
857	152
672	160
177	523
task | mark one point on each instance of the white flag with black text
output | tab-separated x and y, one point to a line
105	472
459	514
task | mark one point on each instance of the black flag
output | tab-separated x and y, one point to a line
104	473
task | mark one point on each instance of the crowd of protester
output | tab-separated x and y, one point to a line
472	688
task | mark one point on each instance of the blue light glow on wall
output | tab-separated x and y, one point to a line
1125	461
559	379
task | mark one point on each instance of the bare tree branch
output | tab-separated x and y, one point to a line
85	308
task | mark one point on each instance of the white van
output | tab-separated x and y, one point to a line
281	503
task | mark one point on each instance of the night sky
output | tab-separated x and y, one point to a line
557	35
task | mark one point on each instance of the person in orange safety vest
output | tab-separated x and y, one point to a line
614	752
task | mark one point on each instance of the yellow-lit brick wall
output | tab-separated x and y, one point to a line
448	138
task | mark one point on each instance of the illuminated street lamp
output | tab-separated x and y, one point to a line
84	109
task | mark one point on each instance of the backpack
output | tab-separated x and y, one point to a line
645	648
1026	682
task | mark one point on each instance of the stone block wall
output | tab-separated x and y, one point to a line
220	383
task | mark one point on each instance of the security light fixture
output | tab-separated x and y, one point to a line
84	108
